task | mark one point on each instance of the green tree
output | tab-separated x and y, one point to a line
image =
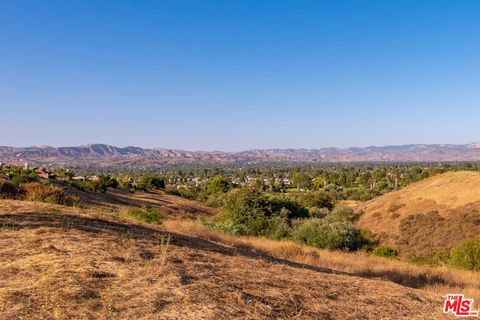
466	255
217	184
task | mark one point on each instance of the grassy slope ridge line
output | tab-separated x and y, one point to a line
434	214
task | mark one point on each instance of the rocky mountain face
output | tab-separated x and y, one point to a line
103	154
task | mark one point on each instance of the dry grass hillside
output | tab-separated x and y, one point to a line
434	214
173	206
71	263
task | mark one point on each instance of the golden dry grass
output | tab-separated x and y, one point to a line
436	280
173	206
433	214
35	191
71	263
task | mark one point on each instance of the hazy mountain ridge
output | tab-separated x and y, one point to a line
101	153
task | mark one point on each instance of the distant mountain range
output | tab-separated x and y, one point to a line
106	155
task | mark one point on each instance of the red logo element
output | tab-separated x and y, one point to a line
459	306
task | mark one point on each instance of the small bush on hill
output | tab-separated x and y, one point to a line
437	258
315	212
16	170
150	182
101	185
341	212
65	173
34	191
360	194
466	255
8	190
18	179
244	212
187	192
327	235
216	200
146	214
385	251
319	199
278	228
172	189
275	205
248	211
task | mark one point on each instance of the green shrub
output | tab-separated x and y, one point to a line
101	185
319	199
315	212
360	194
146	214
341	212
216	200
293	209
385	251
187	191
18	179
245	212
150	182
327	235
466	255
217	184
65	173
277	228
105	182
437	258
172	189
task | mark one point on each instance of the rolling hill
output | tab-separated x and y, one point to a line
428	216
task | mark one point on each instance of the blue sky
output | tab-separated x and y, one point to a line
239	74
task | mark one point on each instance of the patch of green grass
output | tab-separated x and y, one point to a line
146	214
384	251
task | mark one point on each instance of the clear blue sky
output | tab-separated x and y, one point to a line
239	74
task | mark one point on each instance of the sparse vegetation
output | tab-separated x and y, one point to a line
19	179
438	280
255	213
466	255
305	219
150	182
34	191
8	190
385	251
325	234
146	214
100	185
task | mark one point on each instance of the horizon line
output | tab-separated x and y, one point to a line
245	150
